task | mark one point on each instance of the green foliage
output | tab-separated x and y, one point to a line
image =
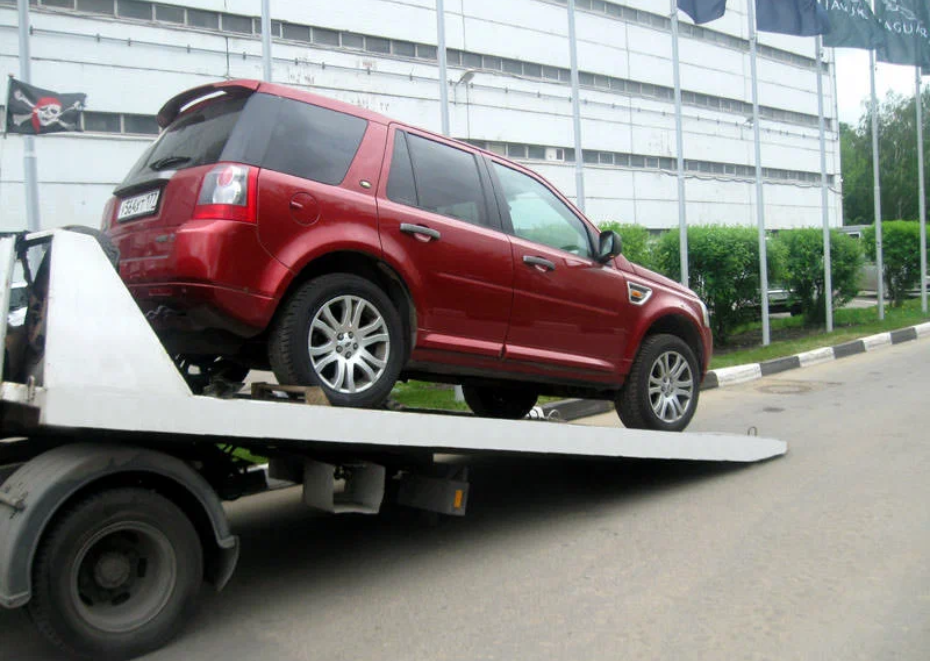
638	243
801	253
900	256
897	148
723	266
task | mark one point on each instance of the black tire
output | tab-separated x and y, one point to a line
117	575
640	408
376	370
500	402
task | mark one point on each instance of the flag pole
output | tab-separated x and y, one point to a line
30	166
679	146
266	40
878	192
918	102
760	208
576	108
443	70
824	194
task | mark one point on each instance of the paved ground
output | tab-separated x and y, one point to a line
821	554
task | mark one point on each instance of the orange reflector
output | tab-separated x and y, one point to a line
459	495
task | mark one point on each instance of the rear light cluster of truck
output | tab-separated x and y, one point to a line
228	192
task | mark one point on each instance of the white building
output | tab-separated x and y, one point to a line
130	56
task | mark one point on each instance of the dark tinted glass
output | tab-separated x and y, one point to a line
447	180
96	6
233	23
134	9
169	13
401	187
199	136
203	19
101	122
140	124
314	143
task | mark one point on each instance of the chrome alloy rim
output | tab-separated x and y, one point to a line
349	344
671	386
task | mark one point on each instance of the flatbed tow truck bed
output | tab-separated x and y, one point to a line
112	490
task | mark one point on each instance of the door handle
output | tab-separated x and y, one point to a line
420	232
541	263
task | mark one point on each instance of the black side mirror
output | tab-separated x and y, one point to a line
609	246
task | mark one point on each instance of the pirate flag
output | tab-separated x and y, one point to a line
34	111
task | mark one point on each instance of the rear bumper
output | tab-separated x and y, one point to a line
204	274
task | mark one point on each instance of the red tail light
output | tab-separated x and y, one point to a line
228	192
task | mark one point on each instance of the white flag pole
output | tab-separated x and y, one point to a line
760	202
30	161
679	146
824	192
918	102
576	108
443	69
266	41
879	264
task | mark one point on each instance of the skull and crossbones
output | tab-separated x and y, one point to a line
46	112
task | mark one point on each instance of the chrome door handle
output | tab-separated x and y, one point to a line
420	232
540	263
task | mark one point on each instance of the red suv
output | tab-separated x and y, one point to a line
267	226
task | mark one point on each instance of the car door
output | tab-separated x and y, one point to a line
439	231
567	316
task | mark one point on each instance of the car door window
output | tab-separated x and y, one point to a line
536	214
446	180
401	187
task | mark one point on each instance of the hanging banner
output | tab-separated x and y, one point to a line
703	11
854	25
801	18
34	111
907	39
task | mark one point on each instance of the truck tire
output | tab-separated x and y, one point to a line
661	391
498	402
117	575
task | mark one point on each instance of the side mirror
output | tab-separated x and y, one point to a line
609	246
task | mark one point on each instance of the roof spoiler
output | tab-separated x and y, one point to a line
172	109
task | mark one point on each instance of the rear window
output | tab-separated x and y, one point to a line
311	142
197	137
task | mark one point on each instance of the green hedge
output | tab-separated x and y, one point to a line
800	252
638	243
900	256
723	268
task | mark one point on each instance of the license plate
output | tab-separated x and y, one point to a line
140	205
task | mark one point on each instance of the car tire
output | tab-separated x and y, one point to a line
661	390
320	336
117	575
500	402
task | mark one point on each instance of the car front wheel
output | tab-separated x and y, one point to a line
661	391
340	332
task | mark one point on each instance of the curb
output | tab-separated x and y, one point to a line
572	409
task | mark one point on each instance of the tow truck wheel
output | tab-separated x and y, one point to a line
505	403
117	575
661	391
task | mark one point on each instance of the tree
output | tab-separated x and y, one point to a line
897	160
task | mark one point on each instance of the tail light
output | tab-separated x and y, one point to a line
228	192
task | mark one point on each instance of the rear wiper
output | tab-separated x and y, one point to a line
168	161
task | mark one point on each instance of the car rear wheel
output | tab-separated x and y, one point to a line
499	402
340	332
661	391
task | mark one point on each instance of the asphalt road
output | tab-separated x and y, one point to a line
821	554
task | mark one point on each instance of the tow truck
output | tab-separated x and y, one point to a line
113	473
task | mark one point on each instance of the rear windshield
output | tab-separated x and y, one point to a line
197	137
262	130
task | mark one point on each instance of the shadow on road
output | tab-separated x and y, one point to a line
289	554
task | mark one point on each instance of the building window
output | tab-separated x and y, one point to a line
135	9
203	19
169	14
239	24
102	122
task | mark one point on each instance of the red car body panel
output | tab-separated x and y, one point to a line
479	308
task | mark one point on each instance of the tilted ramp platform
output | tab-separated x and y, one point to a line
104	368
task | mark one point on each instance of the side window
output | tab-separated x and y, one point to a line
401	187
447	180
313	142
538	215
